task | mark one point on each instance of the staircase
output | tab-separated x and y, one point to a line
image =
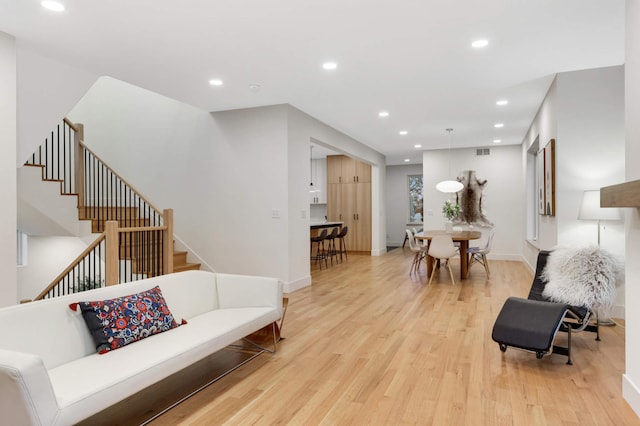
139	251
135	237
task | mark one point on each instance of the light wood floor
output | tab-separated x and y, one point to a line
368	344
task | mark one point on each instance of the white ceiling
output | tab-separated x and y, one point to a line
412	58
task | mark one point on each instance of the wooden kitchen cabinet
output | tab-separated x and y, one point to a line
343	169
349	199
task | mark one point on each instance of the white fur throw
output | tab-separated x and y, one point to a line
582	277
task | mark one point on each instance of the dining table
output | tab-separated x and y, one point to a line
461	237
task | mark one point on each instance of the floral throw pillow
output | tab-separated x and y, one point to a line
117	322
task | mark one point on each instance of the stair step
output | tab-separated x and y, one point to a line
186	267
179	258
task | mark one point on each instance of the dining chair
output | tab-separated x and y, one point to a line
406	238
418	249
479	254
442	248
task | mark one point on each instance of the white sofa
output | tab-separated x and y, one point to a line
50	373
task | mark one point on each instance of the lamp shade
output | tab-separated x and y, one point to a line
449	186
590	208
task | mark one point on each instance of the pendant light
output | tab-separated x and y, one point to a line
449	186
312	189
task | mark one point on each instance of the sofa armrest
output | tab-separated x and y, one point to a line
241	291
26	395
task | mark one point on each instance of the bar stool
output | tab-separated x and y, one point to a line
320	249
331	245
343	244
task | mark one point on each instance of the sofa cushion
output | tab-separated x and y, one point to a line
114	323
136	367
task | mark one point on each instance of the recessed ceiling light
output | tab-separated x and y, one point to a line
497	141
383	114
53	5
406	160
403	132
417	146
329	65
216	82
502	102
498	125
480	43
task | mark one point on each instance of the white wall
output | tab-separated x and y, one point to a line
590	154
502	195
48	256
589	150
47	90
223	173
237	180
543	127
398	201
631	378
248	210
8	193
583	111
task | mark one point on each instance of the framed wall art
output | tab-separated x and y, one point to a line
540	180
550	178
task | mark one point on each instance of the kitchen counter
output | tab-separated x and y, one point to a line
323	224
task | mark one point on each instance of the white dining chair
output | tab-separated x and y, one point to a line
479	254
419	251
442	249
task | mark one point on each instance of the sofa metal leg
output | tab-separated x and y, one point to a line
231	370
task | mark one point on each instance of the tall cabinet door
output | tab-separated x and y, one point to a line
363	216
348	170
334	168
349	212
334	202
349	199
363	172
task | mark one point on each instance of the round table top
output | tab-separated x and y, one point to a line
455	235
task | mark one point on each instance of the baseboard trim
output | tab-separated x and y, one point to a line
378	252
292	286
631	393
617	311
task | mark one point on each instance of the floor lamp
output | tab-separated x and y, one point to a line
590	210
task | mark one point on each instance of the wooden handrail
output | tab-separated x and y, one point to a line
70	124
138	193
72	265
143	228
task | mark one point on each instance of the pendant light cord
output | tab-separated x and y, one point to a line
449	130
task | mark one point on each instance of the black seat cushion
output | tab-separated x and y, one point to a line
528	324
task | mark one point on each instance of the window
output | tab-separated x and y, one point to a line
21	241
415	199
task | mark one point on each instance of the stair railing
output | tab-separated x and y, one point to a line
140	245
117	256
103	194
